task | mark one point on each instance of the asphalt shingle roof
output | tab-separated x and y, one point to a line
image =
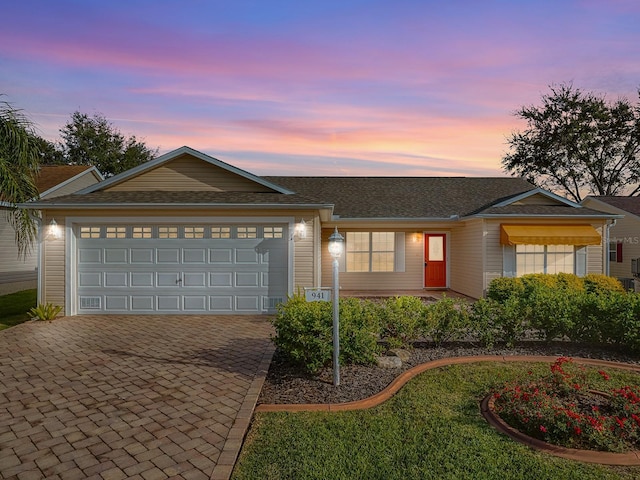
353	197
628	204
406	197
51	175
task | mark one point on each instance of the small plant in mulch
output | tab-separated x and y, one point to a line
563	408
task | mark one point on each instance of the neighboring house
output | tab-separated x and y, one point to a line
17	272
624	235
187	233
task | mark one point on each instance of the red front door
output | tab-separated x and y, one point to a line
435	260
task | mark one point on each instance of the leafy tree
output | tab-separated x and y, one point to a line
50	153
578	143
19	163
95	141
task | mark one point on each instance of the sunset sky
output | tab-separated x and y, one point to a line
333	87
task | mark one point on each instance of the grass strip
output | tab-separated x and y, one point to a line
432	429
14	307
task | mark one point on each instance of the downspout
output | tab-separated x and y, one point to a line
608	224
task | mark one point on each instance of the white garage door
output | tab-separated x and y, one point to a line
181	268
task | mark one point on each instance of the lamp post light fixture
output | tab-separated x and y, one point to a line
336	246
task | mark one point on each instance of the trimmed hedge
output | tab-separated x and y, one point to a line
591	309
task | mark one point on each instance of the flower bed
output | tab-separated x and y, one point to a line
563	408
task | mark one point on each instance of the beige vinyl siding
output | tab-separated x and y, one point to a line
78	184
410	279
303	258
595	253
9	260
466	259
186	173
626	231
54	267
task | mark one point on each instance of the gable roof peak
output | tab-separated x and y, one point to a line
174	154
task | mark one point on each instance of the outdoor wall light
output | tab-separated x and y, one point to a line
54	232
301	229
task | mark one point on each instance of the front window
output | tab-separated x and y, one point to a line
370	251
544	259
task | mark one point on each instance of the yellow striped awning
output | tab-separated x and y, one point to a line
549	235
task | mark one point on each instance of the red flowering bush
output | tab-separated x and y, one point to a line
561	408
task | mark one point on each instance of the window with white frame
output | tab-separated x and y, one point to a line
544	259
370	251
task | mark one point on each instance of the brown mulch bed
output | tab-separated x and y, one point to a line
289	384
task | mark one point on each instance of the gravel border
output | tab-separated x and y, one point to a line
286	384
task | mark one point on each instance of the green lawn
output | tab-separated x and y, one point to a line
432	429
14	307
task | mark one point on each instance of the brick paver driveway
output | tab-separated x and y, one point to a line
145	397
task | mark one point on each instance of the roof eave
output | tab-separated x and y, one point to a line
92	170
531	215
125	206
339	219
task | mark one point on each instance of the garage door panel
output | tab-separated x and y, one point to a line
116	302
247	303
115	255
195	303
142	303
246	255
167	279
142	279
90	279
89	256
198	279
115	279
142	256
194	255
249	279
221	256
170	303
221	279
221	303
168	255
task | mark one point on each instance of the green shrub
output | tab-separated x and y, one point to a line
47	311
553	311
608	317
534	281
595	283
485	321
359	329
447	320
402	320
505	287
304	332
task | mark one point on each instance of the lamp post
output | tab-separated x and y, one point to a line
336	245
